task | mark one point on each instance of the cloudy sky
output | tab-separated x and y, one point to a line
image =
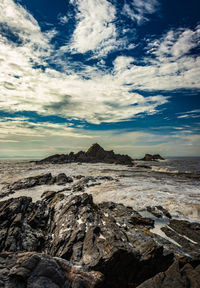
123	73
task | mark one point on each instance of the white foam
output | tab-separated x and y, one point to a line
138	188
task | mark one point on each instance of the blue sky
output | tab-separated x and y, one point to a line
124	74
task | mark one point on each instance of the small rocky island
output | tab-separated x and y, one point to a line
66	240
155	157
94	154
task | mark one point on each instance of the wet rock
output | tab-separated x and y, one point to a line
42	271
29	182
164	211
149	157
144	166
62	179
48	195
159	212
138	220
186	228
89	181
177	275
94	154
185	233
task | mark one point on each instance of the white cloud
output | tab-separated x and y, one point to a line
168	65
106	95
190	114
138	10
176	43
95	30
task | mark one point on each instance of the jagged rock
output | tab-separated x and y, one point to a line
178	275
149	157
185	233
89	181
158	211
110	238
35	270
94	154
103	238
22	224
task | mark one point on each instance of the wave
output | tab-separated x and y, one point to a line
164	170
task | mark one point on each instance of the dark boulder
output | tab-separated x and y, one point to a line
62	179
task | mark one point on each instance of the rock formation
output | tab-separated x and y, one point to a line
34	270
94	154
149	157
88	245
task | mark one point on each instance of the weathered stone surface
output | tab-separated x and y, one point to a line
185	233
94	154
108	238
22	224
178	275
158	211
103	238
62	179
35	270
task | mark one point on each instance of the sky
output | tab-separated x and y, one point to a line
122	73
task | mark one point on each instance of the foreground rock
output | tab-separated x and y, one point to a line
94	154
35	270
149	157
179	275
111	239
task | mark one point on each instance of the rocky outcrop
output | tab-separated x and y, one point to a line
178	275
185	233
111	239
23	225
94	154
149	157
30	182
76	183
104	238
33	270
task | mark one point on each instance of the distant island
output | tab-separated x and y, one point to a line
149	157
96	154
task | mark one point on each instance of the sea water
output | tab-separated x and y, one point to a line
173	183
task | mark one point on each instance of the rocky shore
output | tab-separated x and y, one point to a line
69	241
66	240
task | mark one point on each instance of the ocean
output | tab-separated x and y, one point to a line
173	183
